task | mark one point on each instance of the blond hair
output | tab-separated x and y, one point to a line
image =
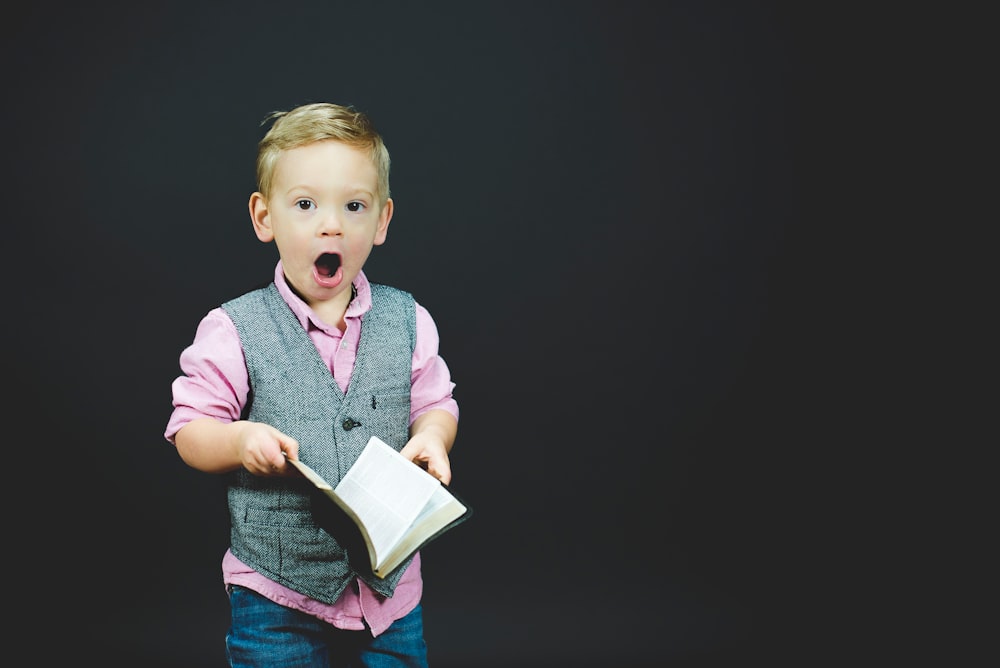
315	122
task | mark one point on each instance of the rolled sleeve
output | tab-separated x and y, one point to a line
214	380
431	383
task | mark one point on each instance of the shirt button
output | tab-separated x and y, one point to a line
350	424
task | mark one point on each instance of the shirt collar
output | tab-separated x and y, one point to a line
359	305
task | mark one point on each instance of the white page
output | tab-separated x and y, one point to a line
387	491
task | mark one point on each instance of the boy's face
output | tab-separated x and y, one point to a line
323	216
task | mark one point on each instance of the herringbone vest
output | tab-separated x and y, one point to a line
277	523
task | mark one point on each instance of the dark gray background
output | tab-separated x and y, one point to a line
605	206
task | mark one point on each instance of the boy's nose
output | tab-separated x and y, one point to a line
330	225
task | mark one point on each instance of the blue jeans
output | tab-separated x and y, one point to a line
264	633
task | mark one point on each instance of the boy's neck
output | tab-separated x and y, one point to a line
332	312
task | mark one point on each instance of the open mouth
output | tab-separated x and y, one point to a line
327	264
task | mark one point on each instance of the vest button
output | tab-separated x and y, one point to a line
350	424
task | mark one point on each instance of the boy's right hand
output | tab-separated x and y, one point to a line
263	449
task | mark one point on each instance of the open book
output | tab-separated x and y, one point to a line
398	506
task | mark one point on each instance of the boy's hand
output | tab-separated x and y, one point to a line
427	450
262	449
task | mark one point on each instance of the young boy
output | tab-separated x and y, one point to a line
309	367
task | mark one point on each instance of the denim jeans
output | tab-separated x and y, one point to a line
264	633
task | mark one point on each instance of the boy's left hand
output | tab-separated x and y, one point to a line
428	451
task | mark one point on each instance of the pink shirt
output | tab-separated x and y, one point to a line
215	384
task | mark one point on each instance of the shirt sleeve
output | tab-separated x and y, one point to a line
213	381
431	385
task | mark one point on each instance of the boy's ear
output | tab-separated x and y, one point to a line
260	218
383	223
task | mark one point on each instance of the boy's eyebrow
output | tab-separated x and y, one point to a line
359	189
348	190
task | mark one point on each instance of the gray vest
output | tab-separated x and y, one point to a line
281	526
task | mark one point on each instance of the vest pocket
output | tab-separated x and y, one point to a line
288	542
390	417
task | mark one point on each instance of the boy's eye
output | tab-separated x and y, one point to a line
304	204
355	206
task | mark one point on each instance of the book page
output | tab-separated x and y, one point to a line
397	505
387	492
441	509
